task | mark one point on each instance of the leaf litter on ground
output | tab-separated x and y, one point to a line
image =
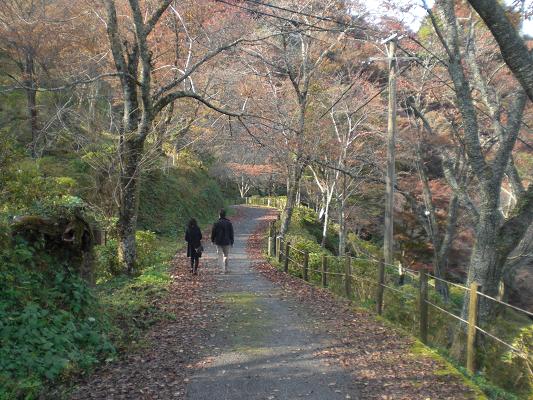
174	347
379	357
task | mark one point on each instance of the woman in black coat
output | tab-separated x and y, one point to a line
193	237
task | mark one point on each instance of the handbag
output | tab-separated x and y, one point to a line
199	250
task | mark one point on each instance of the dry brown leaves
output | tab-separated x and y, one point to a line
159	370
256	241
379	357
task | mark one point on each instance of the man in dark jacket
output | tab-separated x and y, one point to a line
222	236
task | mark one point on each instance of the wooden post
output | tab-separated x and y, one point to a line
272	239
423	296
401	274
472	322
279	253
347	275
324	271
388	243
286	264
380	288
306	266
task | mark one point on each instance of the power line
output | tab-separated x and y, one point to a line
318	17
292	21
296	12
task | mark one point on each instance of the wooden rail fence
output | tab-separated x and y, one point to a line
282	251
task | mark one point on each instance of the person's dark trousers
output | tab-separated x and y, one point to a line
194	264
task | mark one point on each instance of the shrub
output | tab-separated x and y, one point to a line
107	264
50	323
106	261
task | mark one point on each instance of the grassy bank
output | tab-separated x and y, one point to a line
53	326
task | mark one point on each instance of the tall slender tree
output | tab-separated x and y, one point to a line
144	95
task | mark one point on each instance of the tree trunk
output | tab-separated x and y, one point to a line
342	230
446	243
325	225
31	97
483	268
521	258
131	152
494	242
292	185
162	128
342	225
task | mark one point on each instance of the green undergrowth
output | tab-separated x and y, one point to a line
170	198
502	374
53	325
134	303
448	369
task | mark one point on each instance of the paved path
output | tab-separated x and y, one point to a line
264	344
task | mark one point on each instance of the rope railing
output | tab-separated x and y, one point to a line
336	273
406	295
449	282
446	312
293	260
360	278
298	250
509	346
506	304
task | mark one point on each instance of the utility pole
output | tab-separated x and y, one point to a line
388	244
388	254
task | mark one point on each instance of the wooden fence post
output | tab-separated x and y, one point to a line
324	271
472	321
347	275
401	274
380	288
273	243
286	264
279	252
306	266
423	296
271	239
